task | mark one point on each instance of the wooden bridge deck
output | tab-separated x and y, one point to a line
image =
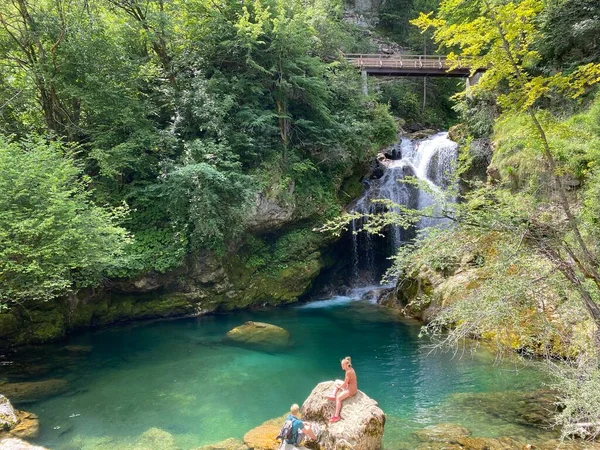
410	65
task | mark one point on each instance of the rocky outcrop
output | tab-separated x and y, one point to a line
421	294
263	437
27	427
456	437
8	417
259	334
206	283
18	444
15	425
361	427
362	13
269	214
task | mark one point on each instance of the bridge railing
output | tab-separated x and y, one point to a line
406	61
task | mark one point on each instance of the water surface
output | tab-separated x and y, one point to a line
181	377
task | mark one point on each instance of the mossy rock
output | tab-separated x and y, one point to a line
263	437
9	324
442	432
227	444
155	438
28	427
259	334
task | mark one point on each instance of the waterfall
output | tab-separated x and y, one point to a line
431	160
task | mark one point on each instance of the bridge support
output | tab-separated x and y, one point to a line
365	85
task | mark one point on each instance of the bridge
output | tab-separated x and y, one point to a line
383	65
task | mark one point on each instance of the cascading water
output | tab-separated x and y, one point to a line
431	160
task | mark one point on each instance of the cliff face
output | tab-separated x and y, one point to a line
364	13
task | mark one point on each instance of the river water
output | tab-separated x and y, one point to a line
180	376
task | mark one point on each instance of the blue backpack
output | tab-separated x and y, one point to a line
287	430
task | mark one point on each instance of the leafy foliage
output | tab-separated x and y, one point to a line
186	110
52	236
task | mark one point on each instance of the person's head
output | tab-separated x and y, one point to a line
346	362
294	410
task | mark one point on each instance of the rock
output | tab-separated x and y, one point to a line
34	390
265	214
493	174
155	438
421	134
376	295
263	436
504	443
362	423
28	426
444	432
439	446
565	445
18	444
8	417
259	333
458	132
227	444
535	409
78	350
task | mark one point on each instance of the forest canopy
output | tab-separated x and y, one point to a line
182	111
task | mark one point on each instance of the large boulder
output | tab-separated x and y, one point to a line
27	427
17	424
18	444
361	427
259	334
8	416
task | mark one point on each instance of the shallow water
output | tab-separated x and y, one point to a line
179	376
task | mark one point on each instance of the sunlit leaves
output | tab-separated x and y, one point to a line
52	237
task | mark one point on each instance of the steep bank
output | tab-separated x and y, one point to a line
274	265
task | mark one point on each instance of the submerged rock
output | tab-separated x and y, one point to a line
155	438
503	443
259	333
362	423
34	390
78	350
566	445
443	432
227	444
18	444
535	409
8	416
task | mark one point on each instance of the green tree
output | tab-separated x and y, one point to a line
53	238
500	38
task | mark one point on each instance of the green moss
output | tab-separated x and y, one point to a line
351	188
9	324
